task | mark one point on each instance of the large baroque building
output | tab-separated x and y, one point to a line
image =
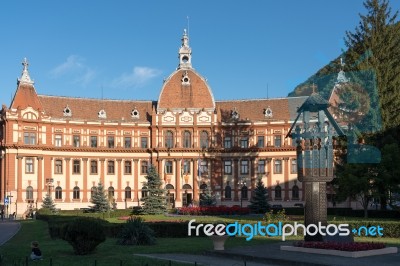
66	145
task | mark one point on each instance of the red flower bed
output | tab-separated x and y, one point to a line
214	210
356	246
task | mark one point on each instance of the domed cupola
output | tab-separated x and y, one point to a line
185	88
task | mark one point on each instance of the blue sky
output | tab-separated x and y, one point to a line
124	49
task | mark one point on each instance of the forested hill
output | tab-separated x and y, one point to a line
324	80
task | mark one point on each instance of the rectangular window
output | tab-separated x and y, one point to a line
228	167
278	167
260	141
110	167
244	167
127	142
29	165
277	141
261	167
93	141
76	167
168	167
186	166
77	141
244	142
227	143
293	169
203	167
143	142
93	167
58	140
29	138
58	166
128	167
110	142
144	166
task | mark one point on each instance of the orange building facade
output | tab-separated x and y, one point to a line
65	145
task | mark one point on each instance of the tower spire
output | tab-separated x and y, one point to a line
25	78
185	52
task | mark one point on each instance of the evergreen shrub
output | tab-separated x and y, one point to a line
136	232
84	235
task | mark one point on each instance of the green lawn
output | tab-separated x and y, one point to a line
108	253
17	249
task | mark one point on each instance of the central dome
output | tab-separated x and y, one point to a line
185	88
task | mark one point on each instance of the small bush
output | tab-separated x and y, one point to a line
84	235
136	232
279	216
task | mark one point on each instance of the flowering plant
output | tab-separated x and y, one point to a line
214	210
345	246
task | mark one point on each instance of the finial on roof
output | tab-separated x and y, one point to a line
185	53
341	78
25	78
313	87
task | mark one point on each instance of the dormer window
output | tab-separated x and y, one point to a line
67	111
135	113
268	112
234	114
102	114
185	79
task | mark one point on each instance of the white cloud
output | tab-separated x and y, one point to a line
74	68
137	78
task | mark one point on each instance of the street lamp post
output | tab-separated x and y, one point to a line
314	157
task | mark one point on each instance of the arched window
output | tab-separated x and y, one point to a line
128	193
93	191
243	192
204	144
228	192
187	139
203	186
278	192
145	192
29	193
295	192
111	192
169	186
169	139
58	193
186	187
76	193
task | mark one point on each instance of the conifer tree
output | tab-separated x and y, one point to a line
207	198
48	203
155	201
100	200
259	199
374	53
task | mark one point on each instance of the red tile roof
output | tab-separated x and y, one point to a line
88	109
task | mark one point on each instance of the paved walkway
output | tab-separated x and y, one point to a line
270	254
7	230
204	260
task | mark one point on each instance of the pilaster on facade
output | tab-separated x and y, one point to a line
236	179
178	179
135	180
102	178
286	178
67	180
85	180
39	179
19	179
269	178
119	180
